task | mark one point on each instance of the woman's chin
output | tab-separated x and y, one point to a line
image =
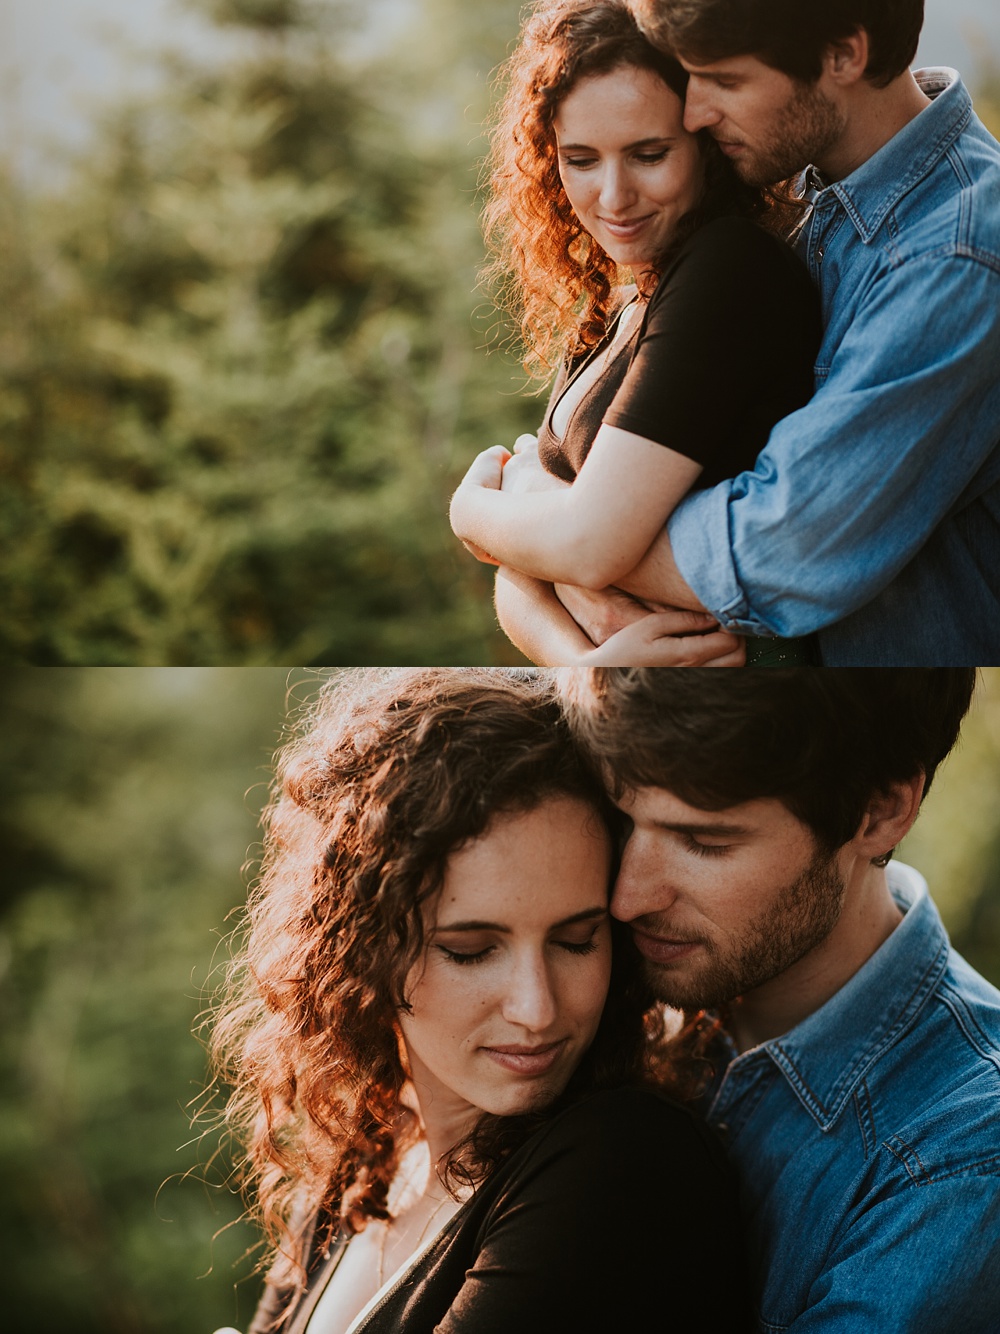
523	1097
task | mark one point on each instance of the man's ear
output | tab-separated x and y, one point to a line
889	818
845	62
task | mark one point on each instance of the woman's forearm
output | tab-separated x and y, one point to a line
533	619
543	533
592	533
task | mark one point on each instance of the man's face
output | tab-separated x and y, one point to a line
721	902
768	124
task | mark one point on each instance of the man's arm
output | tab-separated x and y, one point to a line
656	579
926	1258
849	488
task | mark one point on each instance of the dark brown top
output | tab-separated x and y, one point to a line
620	1213
725	349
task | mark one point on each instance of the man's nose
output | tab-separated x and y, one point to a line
700	110
642	887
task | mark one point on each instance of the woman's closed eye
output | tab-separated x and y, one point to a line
581	938
466	956
579	162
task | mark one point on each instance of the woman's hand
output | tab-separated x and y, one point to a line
487	468
524	473
669	639
485	472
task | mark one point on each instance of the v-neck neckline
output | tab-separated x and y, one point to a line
589	360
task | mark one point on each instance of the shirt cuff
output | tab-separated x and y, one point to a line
699	538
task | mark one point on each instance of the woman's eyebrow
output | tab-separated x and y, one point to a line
639	143
586	915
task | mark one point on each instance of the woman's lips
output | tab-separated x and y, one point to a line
527	1060
659	949
625	230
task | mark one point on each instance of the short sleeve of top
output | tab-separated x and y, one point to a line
726	350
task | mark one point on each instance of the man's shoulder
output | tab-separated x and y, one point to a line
933	1100
955	209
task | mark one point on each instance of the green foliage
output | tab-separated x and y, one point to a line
124	812
239	372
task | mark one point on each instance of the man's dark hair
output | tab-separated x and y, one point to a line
790	35
824	741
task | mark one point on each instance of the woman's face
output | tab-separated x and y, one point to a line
629	168
510	988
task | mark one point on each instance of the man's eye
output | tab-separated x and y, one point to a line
707	849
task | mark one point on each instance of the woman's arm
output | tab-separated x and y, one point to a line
536	622
592	533
533	618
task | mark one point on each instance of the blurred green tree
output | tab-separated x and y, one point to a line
124	817
240	371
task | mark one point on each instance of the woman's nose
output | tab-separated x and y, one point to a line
530	1000
617	193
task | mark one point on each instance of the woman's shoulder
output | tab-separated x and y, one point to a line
732	274
736	246
608	1128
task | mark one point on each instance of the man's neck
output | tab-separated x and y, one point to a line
869	917
874	116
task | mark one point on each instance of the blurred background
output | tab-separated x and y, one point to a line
128	805
242	350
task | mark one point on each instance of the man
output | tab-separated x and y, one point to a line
857	1080
873	514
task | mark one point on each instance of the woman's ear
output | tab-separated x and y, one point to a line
888	819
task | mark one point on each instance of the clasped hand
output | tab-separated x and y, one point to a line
497	469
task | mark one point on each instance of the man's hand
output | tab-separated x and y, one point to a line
601	614
670	639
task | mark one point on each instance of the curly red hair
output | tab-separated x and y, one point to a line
391	772
549	273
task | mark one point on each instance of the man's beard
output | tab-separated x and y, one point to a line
803	132
796	922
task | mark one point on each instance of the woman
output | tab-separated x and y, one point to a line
441	1067
673	383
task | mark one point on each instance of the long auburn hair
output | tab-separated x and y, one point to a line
547	270
390	773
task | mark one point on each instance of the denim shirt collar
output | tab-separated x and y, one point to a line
825	1056
871	192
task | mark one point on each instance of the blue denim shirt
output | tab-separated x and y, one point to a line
868	1142
873	513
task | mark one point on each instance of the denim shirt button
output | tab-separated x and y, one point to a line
819	255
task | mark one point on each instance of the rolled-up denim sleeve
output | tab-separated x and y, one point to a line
850	487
